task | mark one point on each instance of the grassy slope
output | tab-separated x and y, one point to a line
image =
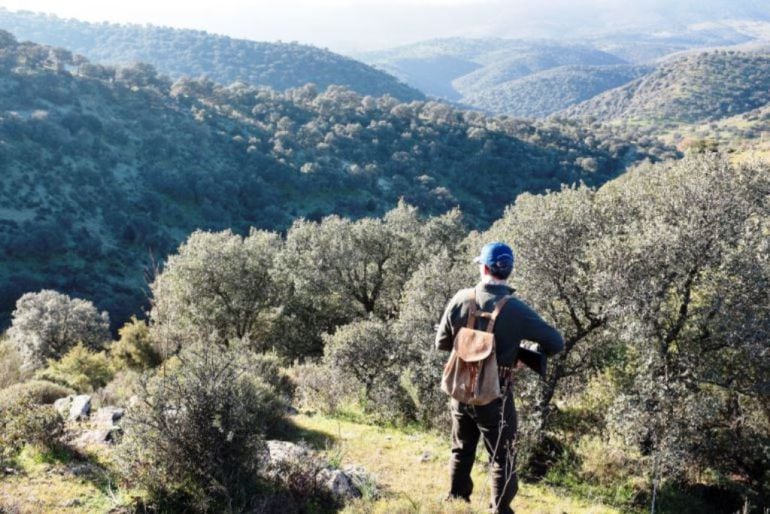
411	471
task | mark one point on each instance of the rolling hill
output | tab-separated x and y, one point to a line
694	89
541	94
223	59
455	67
106	170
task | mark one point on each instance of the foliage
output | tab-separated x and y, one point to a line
39	392
23	422
81	369
195	154
319	387
47	324
545	92
134	348
194	53
195	438
423	300
218	285
696	88
10	364
368	351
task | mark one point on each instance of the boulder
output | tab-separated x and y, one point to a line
107	416
74	408
342	484
97	436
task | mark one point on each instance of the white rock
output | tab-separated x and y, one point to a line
80	408
74	408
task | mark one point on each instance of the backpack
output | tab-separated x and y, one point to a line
471	375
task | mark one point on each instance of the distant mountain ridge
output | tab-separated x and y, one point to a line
693	89
518	77
453	68
177	52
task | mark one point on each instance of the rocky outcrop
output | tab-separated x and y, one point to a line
74	408
285	458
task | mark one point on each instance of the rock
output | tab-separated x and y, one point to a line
72	503
342	484
107	416
98	436
291	411
338	484
281	451
74	408
426	456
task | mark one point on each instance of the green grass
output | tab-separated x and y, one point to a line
53	482
410	469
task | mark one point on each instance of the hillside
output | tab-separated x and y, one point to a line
106	171
453	67
223	59
697	88
541	94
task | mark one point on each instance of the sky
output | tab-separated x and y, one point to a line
357	25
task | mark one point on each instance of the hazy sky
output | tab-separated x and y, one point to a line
351	25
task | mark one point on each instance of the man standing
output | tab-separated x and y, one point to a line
495	421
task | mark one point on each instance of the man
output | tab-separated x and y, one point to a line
496	421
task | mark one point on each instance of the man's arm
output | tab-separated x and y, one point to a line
535	329
445	329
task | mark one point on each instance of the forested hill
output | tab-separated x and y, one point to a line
193	53
543	93
697	88
104	169
454	68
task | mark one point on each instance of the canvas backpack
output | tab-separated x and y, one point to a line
471	374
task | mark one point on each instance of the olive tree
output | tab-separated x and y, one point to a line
423	301
218	283
342	270
559	265
692	321
46	324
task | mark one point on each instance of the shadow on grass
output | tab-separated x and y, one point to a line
288	430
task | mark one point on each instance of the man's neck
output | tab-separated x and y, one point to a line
492	281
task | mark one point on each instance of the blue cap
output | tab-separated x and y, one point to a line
498	257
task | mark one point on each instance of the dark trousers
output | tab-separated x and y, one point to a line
496	424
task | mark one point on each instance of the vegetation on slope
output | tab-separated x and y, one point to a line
658	401
541	94
455	67
191	53
703	87
106	170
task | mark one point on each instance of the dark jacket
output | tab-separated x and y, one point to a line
516	322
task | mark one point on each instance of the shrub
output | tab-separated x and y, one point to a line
24	422
81	369
38	392
320	387
121	388
47	324
267	366
10	365
366	350
197	433
134	349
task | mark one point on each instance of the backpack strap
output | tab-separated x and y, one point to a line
472	309
498	307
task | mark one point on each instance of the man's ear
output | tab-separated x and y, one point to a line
487	271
